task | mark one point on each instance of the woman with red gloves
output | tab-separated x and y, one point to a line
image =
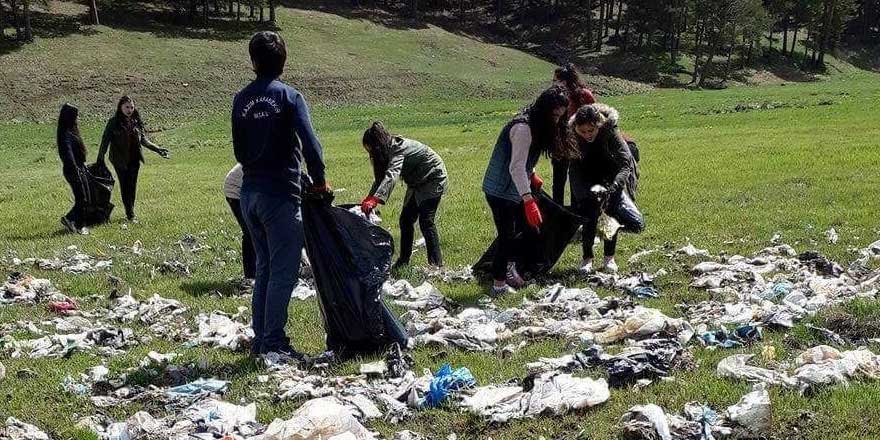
510	177
425	176
578	96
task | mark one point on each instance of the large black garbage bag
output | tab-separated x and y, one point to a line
350	259
538	251
98	187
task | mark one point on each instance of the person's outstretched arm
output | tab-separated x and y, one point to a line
105	140
312	151
147	143
382	188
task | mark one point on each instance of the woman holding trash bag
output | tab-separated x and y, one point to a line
601	180
72	152
425	175
510	177
578	96
125	135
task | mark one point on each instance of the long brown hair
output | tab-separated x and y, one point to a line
553	139
120	117
377	139
68	126
570	76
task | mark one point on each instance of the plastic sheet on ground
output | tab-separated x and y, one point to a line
447	380
550	393
21	288
736	367
752	412
318	419
220	330
650	422
107	341
17	430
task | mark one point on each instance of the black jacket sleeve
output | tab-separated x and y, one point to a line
622	159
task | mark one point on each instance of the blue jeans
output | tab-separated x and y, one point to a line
275	224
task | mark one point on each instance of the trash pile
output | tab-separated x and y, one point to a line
164	317
70	261
104	341
749	417
221	330
815	367
17	430
21	288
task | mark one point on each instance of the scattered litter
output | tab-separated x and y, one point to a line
63	307
549	393
445	381
173	267
831	236
324	418
650	422
18	430
638	256
201	386
460	275
741	336
21	288
303	291
691	251
220	330
70	261
736	367
752	411
190	243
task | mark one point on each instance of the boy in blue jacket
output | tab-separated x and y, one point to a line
272	133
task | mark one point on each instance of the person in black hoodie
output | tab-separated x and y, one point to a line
125	135
603	179
72	152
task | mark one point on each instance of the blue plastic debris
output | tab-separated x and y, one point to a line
447	380
200	386
742	335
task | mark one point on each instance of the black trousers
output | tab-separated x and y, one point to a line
560	177
76	215
509	218
621	207
127	178
425	213
248	255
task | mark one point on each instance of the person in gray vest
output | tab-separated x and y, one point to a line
232	191
424	173
510	177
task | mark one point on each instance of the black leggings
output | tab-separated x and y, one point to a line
621	207
248	255
560	177
425	213
128	178
509	218
76	214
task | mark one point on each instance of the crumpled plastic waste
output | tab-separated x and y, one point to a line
17	430
447	275
21	288
648	359
752	411
446	381
736	367
691	251
317	419
63	307
173	267
220	330
645	322
303	291
824	365
198	387
638	256
650	422
373	218
607	226
831	236
740	336
107	341
190	243
549	393
164	316
70	261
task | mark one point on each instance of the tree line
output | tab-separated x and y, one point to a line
715	36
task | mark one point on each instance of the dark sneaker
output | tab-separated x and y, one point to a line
287	354
68	225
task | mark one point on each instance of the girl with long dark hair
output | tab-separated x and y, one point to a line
510	177
579	95
603	179
424	173
72	152
125	135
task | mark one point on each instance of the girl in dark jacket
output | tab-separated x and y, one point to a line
578	96
510	177
125	135
72	152
603	176
424	173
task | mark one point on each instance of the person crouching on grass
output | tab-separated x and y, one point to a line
602	179
510	177
424	173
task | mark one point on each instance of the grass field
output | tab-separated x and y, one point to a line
805	160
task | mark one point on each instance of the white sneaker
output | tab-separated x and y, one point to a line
497	291
586	267
83	231
611	266
513	277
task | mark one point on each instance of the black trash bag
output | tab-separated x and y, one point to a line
350	259
538	251
97	187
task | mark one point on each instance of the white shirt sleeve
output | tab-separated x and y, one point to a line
521	141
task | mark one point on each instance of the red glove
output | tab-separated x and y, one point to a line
536	182
533	214
369	204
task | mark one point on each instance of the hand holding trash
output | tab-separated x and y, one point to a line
536	182
369	204
163	152
533	213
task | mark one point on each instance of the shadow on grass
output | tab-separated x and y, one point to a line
48	25
199	288
38	235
